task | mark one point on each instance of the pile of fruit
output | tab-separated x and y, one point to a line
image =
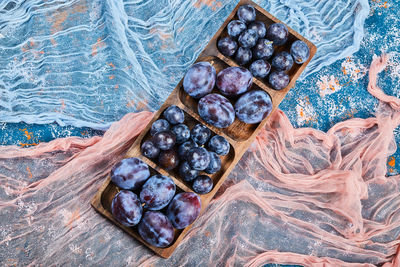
250	43
234	82
194	150
151	203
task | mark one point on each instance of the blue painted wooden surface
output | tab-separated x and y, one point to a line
335	93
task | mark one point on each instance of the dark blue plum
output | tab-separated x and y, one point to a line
184	149
174	115
156	229
235	28
219	145
253	106
278	33
263	49
278	80
181	132
202	184
157	192
149	150
243	56
259	27
130	173
159	126
234	81
186	172
248	38
184	209
216	110
199	80
246	13
260	68
164	140
215	163
126	208
198	158
282	61
227	46
300	51
200	134
168	159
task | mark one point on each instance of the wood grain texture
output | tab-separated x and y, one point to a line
239	135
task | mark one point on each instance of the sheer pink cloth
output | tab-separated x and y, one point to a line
298	196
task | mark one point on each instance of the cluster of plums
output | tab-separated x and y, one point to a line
173	145
250	43
155	208
233	82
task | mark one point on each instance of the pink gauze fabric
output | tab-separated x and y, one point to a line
298	196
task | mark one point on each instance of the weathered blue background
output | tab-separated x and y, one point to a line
87	63
346	80
334	93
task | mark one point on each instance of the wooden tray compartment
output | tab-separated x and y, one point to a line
239	135
238	131
293	36
226	161
261	15
102	203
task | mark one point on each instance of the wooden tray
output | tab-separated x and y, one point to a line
239	135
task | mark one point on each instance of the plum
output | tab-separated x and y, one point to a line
235	28
149	150
198	158
168	159
248	38
259	27
278	80
202	184
174	115
300	51
184	149
200	134
263	49
214	165
253	106
186	172
130	173
184	209
234	81
216	110
157	192
156	229
260	68
126	208
164	140
159	126
181	132
278	33
219	145
199	80
283	61
227	46
246	13
243	56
